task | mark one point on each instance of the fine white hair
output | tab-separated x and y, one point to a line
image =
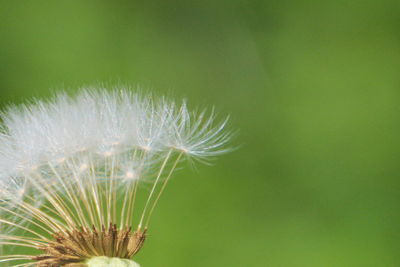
105	123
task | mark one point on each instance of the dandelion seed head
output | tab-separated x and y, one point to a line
71	167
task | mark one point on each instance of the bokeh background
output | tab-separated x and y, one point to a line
312	86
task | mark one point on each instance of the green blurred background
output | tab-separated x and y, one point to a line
313	87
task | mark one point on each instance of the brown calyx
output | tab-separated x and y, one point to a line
73	248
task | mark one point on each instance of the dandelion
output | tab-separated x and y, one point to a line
80	176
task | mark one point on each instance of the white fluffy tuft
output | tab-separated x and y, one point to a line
105	123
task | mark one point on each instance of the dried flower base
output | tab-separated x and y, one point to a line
72	249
